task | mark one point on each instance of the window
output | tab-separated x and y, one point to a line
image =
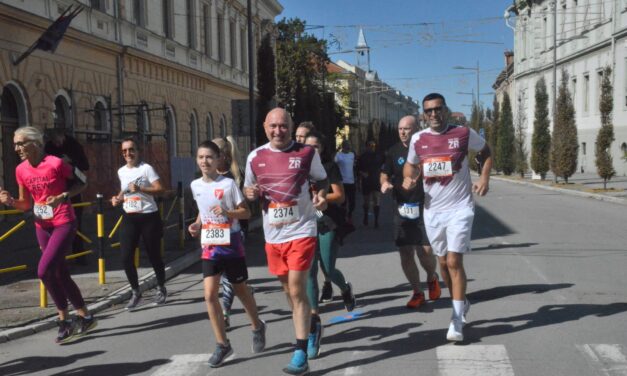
193	129
223	126
220	37
139	12
586	92
573	90
545	33
206	15
244	48
209	126
191	24
100	117
599	84
583	148
62	114
233	40
98	5
168	19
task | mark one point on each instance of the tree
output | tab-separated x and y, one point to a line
505	139
301	78
476	123
541	138
520	153
565	146
491	131
605	137
266	84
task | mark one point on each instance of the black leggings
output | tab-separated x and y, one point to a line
149	227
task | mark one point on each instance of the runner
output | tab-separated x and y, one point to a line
140	183
279	173
440	155
303	130
411	237
345	160
369	167
48	182
327	249
229	167
220	207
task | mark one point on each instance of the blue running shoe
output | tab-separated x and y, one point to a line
313	342
298	364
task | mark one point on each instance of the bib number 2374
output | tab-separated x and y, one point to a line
282	213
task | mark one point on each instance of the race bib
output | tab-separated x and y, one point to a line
282	213
437	167
213	234
132	204
43	211
409	210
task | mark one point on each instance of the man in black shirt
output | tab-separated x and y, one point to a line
411	236
67	148
369	167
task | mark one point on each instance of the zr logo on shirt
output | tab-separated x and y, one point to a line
294	163
453	143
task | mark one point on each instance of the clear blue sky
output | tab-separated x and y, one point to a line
416	43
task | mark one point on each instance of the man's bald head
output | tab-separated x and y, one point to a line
407	126
278	127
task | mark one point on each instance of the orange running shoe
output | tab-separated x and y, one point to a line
416	300
434	288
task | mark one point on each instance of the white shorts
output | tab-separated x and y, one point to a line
449	231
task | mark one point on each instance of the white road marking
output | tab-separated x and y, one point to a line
474	360
186	364
606	358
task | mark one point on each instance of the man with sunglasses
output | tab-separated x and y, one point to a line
439	154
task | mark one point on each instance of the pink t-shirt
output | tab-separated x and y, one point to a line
47	179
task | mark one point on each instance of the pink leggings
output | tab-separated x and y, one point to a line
55	242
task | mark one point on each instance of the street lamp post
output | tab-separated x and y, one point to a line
477	70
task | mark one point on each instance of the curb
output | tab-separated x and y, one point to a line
571	192
122	294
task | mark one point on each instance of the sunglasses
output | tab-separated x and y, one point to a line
434	110
21	144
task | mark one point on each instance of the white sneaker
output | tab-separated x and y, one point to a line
466	309
454	333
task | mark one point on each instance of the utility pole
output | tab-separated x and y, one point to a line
251	79
554	70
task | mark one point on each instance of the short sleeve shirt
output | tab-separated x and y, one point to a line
48	178
221	192
451	192
346	163
143	175
283	176
393	167
335	177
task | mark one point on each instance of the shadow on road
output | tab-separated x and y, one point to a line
31	364
486	225
118	369
505	291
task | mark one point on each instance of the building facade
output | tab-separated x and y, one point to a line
369	103
170	72
591	35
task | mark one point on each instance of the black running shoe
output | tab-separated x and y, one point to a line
348	297
327	292
66	331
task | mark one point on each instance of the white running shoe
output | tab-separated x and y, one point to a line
455	333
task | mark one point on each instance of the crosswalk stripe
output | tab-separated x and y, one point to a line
474	360
608	358
185	364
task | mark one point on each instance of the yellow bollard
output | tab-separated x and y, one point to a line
102	279
43	295
137	257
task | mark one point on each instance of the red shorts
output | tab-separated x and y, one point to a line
294	255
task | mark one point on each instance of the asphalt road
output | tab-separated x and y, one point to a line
546	285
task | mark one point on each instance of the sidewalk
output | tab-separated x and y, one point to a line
20	314
581	184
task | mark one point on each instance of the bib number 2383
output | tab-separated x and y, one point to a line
282	213
215	234
437	167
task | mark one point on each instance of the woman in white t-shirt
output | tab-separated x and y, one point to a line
220	207
139	184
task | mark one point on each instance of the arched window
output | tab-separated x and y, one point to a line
62	115
170	126
101	122
209	126
143	119
193	130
